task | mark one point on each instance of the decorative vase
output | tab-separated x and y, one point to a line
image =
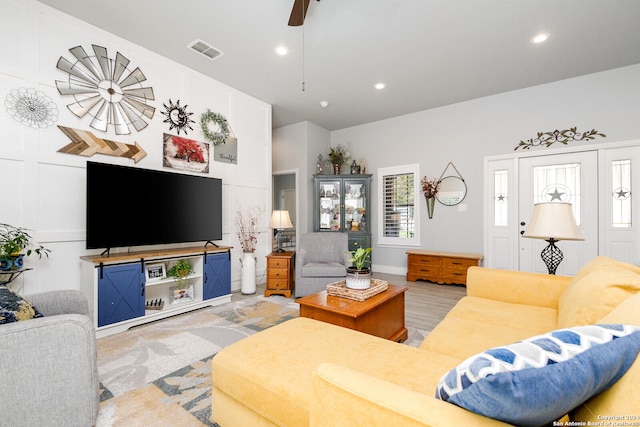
431	201
248	262
336	168
358	279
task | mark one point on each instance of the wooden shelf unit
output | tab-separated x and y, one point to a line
440	267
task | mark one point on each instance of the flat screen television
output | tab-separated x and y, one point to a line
129	206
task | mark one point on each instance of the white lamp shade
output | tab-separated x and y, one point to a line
553	220
280	220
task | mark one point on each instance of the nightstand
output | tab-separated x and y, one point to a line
280	277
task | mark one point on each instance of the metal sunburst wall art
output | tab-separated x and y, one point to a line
178	117
31	108
106	89
562	136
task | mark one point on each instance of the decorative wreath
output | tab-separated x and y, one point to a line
215	137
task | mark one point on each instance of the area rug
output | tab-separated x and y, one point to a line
159	374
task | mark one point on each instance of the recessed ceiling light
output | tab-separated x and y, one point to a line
379	86
282	50
324	104
540	38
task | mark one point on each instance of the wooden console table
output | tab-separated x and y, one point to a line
381	315
440	267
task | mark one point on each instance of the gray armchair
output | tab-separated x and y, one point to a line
322	258
48	369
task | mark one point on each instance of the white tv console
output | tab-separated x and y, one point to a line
118	288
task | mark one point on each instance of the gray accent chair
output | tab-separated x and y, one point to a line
322	258
48	366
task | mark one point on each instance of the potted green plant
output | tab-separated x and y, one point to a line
359	275
180	271
15	243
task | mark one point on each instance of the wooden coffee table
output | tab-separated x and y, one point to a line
381	315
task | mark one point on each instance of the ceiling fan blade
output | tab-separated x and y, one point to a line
298	12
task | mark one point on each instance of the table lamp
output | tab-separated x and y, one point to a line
279	221
552	221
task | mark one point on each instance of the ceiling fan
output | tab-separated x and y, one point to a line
298	12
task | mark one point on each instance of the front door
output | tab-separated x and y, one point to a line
570	178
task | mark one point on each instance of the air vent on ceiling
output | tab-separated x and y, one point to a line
205	49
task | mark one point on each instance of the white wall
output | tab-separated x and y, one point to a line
465	133
44	190
297	147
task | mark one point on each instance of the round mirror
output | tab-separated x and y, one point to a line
452	190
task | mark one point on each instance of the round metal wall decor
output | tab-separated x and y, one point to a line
31	108
106	89
177	117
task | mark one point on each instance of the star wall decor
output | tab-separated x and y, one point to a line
106	89
178	117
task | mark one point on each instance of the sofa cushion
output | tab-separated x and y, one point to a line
324	269
538	380
623	396
282	391
14	308
475	324
599	287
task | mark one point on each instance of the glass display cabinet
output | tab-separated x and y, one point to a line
342	203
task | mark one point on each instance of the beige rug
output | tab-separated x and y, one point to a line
159	374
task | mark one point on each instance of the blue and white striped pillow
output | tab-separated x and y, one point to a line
538	380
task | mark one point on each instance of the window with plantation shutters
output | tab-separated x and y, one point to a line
397	190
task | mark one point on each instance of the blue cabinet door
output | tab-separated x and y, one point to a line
217	275
120	293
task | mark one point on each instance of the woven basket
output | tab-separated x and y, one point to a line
339	289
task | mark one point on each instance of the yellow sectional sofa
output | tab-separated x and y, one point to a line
309	373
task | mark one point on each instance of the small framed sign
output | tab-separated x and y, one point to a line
155	271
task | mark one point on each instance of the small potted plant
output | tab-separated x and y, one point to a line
179	293
359	275
15	243
180	271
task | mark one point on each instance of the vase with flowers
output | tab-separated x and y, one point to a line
430	188
338	156
247	224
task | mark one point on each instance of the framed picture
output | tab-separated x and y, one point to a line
179	295
186	154
155	271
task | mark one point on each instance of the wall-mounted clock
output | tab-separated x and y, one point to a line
177	117
106	89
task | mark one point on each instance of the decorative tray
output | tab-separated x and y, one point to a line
339	289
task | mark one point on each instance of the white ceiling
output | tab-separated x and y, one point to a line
430	53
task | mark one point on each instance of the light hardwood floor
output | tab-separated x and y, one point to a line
425	303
